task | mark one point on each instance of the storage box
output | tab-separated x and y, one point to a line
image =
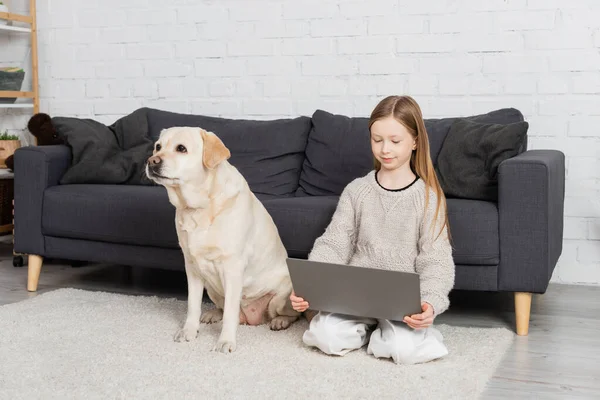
11	79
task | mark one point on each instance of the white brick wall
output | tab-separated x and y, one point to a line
267	58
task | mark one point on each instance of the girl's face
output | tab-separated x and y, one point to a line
391	143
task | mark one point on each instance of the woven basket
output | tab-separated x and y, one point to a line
7	149
11	79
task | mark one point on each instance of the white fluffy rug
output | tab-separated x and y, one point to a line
80	344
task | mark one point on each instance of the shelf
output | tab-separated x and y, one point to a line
17	25
17	105
4	94
14	28
16	17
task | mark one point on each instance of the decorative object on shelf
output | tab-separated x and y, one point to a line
8	145
11	23
11	79
3	8
40	126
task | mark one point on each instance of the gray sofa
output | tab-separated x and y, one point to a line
297	167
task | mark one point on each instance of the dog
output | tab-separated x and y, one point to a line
230	243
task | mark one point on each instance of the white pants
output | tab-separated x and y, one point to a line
337	334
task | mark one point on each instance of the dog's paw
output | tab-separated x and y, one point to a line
281	322
225	346
212	316
187	333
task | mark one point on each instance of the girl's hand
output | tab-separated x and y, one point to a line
298	303
423	320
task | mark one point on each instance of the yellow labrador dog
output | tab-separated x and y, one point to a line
229	241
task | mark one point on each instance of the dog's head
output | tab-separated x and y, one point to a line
185	154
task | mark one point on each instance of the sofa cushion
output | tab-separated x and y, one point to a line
339	150
142	215
301	220
468	163
438	128
269	154
473	226
127	214
474	232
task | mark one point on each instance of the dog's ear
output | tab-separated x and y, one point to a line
214	150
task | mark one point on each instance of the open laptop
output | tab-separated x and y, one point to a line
358	291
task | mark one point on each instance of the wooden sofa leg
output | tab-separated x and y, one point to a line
33	275
522	312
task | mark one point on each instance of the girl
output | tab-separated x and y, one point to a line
393	218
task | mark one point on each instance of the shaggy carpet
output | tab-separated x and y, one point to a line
72	343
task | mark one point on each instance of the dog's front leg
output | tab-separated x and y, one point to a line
194	311
232	276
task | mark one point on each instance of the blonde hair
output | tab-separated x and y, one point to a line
406	111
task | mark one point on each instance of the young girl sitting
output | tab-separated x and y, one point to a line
393	218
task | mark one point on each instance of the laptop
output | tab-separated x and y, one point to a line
358	291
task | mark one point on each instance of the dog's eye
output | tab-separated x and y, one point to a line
157	147
181	149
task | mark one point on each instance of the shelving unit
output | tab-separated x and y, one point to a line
32	30
14	28
34	94
20	105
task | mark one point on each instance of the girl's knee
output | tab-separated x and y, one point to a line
405	345
335	335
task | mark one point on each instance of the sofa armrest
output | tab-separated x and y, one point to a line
36	168
531	195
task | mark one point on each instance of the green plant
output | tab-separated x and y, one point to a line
6	136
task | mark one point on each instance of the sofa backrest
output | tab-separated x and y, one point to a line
306	156
339	149
269	154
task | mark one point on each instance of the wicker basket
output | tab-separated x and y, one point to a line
11	79
7	149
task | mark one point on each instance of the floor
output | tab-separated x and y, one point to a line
558	360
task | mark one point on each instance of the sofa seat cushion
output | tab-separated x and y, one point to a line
126	214
142	215
474	231
473	224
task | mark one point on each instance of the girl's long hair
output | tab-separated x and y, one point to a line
407	112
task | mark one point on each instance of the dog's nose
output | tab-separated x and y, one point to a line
154	160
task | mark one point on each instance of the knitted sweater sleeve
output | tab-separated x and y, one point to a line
434	262
336	244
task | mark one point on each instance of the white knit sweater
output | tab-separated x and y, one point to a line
375	227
